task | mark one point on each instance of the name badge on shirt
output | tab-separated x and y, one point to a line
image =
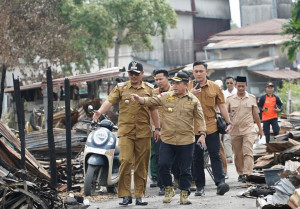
189	103
171	98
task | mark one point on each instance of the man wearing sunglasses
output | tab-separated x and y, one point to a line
134	132
231	90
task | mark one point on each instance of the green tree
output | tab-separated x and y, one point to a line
295	95
135	21
292	27
59	31
29	28
91	33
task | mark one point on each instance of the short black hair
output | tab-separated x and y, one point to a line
200	63
158	71
229	77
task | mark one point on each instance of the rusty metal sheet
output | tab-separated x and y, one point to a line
278	74
105	73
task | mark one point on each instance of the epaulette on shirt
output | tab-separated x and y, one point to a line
121	84
150	85
251	95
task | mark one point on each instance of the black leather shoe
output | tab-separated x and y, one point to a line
240	178
222	188
126	200
200	191
244	178
161	191
153	183
139	201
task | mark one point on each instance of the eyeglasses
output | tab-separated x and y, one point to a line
131	73
229	83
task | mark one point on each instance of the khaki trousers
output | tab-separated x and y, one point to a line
242	146
133	152
227	146
223	156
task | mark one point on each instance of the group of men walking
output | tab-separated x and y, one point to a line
183	118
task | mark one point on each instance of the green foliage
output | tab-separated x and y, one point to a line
91	32
292	27
78	31
295	93
135	21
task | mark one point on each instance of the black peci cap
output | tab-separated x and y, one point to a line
241	79
181	76
135	67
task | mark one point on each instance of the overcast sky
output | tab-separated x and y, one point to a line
235	12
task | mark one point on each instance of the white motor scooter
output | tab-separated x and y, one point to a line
101	157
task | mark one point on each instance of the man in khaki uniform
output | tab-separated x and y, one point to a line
243	108
210	96
180	110
161	77
134	133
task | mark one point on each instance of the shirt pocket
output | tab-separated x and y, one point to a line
234	110
210	102
188	110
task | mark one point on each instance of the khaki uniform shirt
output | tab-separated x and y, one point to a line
178	116
160	108
134	119
241	111
211	95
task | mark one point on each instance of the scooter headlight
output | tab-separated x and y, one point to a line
100	136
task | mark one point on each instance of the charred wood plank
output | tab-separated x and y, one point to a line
51	144
9	136
68	134
2	88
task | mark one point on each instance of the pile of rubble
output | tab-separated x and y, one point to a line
275	181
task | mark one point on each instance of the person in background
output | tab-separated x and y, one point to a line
231	90
222	151
243	109
134	133
270	105
161	77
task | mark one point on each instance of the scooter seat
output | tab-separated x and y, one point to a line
117	150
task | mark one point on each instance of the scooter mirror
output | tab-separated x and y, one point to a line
90	108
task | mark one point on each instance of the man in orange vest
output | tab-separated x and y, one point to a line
270	104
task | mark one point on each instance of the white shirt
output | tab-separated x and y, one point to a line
227	93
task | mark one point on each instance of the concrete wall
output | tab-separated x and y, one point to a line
183	5
254	11
252	52
240	53
256	83
178	47
218	9
125	57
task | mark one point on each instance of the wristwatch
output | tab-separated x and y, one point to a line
229	123
202	134
157	129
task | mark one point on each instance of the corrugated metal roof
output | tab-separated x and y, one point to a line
225	64
104	73
273	26
246	41
279	74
